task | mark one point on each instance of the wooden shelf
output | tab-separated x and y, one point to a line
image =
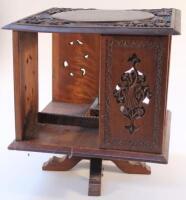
83	142
69	114
66	108
80	141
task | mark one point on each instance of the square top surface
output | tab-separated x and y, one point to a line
134	22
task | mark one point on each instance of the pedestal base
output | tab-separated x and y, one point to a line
60	164
66	163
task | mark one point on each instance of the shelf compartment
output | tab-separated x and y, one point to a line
84	142
68	114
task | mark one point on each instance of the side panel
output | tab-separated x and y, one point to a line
133	94
76	63
25	57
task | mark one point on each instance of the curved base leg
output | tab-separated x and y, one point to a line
61	164
65	163
132	167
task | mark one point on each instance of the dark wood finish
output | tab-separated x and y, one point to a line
165	22
131	167
154	54
109	92
84	142
61	164
67	163
25	53
94	108
48	118
69	114
69	84
95	177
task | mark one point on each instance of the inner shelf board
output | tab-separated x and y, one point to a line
66	108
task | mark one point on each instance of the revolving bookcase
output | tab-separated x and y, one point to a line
109	88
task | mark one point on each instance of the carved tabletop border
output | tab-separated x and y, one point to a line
165	21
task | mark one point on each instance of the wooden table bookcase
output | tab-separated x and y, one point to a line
109	88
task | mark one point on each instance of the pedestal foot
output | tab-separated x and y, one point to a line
95	177
61	164
65	164
132	167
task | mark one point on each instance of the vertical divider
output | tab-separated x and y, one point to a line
25	59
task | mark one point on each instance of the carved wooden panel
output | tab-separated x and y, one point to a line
76	62
133	92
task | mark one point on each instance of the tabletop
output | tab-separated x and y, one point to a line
165	21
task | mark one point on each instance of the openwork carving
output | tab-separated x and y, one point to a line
141	143
67	66
132	93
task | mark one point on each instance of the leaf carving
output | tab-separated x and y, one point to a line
132	93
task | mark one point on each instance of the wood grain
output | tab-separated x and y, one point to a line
61	164
154	55
82	121
95	177
25	57
131	167
84	142
76	88
66	108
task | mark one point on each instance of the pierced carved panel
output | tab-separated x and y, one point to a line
80	70
75	67
132	93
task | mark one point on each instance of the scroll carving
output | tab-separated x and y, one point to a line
141	143
162	19
132	93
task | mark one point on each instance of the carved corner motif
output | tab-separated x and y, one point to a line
132	93
161	19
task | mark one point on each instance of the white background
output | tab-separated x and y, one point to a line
21	176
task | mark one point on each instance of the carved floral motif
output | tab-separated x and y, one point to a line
141	143
162	18
132	93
